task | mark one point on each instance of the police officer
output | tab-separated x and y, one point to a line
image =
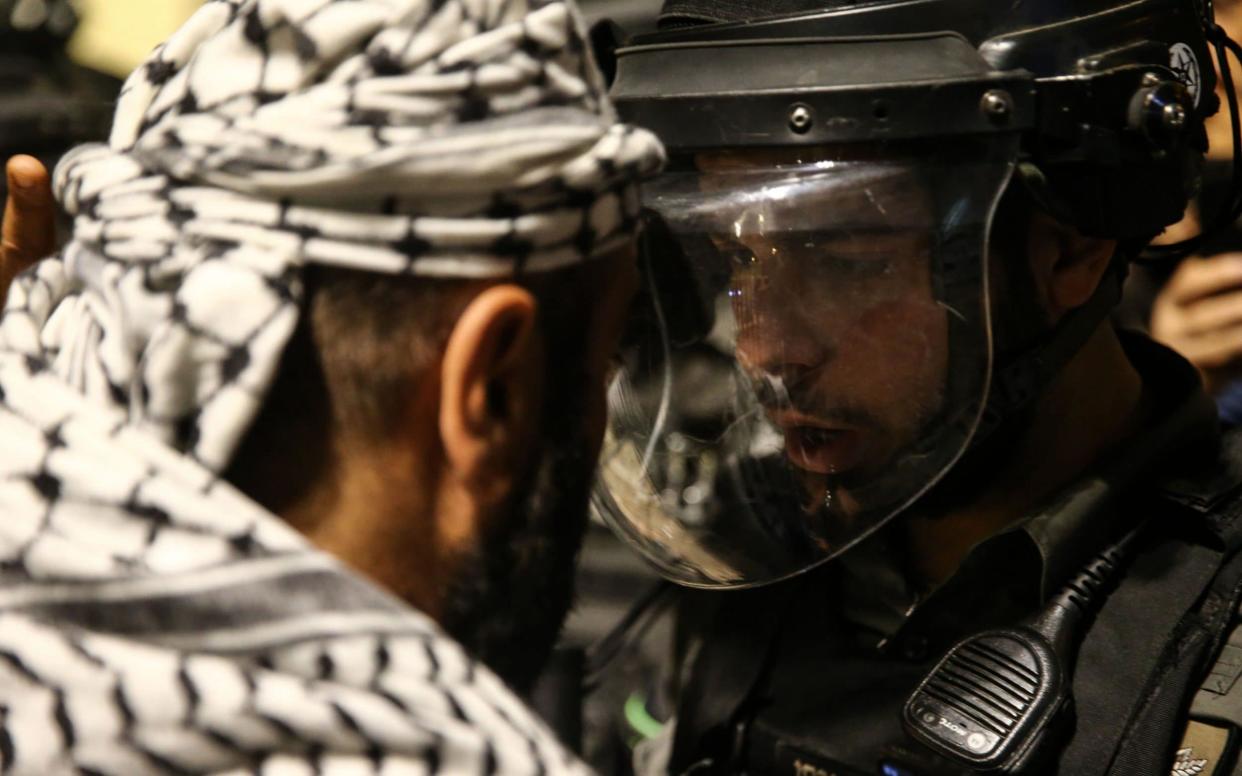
881	265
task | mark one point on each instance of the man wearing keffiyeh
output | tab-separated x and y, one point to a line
345	279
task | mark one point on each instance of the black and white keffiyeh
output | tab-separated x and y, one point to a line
152	618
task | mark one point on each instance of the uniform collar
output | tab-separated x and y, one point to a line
1011	573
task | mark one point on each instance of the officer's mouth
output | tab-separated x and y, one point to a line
820	448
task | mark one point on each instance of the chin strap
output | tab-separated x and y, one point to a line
1021	377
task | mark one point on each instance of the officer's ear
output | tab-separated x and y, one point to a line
1067	265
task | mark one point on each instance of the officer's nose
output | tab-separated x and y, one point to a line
780	346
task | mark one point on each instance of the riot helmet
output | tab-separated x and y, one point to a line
816	349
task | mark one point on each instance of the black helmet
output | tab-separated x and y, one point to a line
817	350
1109	97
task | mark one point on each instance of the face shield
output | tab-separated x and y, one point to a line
812	353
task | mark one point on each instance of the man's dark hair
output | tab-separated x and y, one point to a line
363	342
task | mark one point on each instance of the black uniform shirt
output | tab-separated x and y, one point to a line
1014	571
853	640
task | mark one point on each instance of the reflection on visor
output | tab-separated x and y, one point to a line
817	199
843	370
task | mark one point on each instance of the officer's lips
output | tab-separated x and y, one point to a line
817	446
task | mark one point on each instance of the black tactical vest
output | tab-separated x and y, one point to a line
773	690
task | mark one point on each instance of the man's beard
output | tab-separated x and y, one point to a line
509	599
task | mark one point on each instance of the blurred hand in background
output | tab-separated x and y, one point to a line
1199	314
29	226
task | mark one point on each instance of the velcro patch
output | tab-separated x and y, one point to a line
1205	750
1226	671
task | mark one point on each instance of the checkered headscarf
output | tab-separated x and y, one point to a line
153	619
457	138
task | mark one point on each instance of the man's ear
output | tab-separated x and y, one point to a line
491	382
1068	265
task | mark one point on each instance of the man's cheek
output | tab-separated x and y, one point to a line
902	349
911	331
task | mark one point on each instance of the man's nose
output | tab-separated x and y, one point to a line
784	349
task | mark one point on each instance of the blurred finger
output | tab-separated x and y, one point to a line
1199	278
1221	349
1206	315
29	229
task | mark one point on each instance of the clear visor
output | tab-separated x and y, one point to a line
812	355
